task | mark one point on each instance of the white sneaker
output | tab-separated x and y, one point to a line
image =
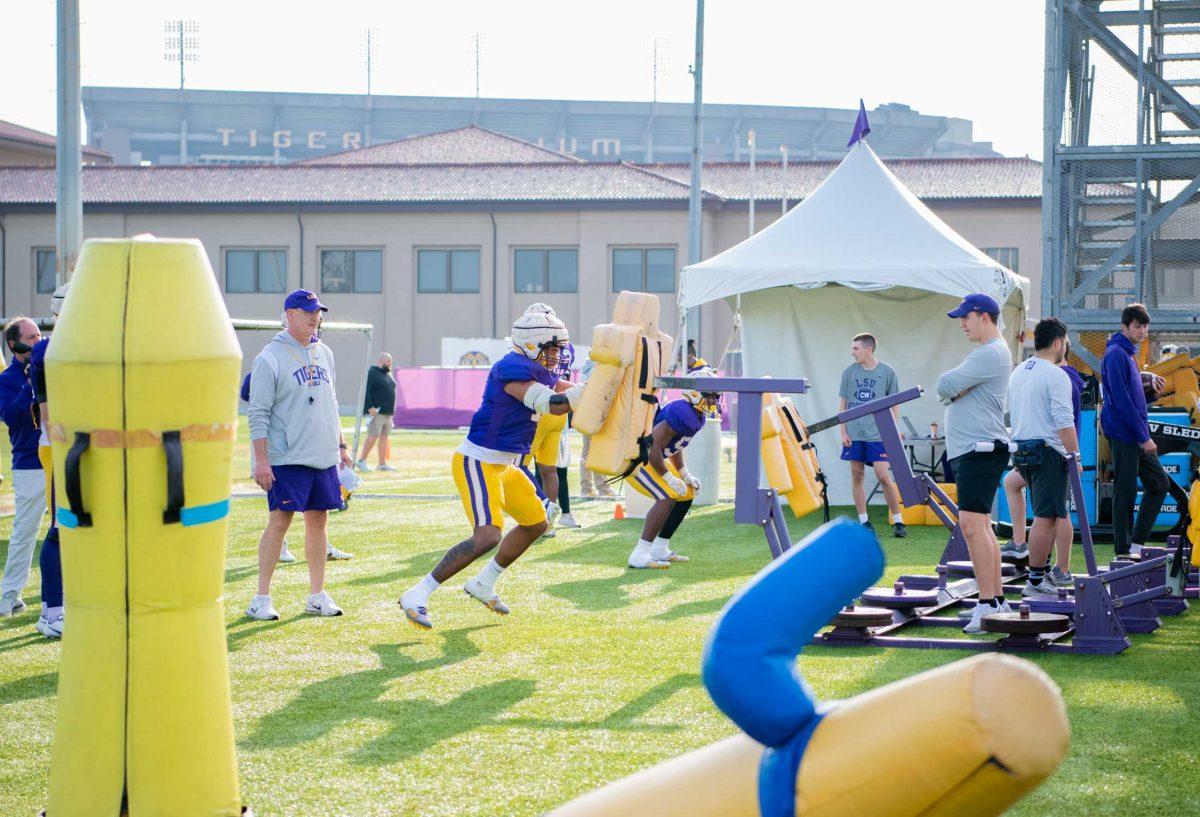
975	624
285	555
332	554
1005	607
11	603
363	465
1045	587
1135	551
568	521
262	609
320	604
387	466
51	627
646	562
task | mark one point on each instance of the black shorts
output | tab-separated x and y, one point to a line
977	477
1047	485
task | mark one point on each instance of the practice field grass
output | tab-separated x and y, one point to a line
593	676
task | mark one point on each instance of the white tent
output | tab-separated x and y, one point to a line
861	254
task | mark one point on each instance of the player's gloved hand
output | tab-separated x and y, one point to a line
552	511
690	479
676	485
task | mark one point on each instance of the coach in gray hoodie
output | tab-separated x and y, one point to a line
298	446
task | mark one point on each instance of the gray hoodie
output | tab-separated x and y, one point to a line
293	404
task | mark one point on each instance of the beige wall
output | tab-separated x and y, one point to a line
409	324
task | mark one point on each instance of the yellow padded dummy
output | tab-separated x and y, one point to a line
804	495
144	347
971	737
616	408
775	464
1193	531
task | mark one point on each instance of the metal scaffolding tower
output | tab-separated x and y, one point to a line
1121	210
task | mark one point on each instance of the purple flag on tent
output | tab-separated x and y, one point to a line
861	126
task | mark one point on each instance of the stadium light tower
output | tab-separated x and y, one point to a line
181	44
370	49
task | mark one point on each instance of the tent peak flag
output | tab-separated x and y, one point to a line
861	126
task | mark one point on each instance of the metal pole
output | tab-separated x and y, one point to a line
182	106
752	181
1051	255
68	211
783	206
694	250
362	395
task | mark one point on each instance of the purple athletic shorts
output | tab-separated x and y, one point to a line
864	451
300	488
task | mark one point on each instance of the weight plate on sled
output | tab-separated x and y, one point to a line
852	616
965	568
899	597
1025	623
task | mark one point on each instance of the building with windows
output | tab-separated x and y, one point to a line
20	145
454	234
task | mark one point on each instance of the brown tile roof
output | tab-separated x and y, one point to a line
347	184
12	132
469	145
973	178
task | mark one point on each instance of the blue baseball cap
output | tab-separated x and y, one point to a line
975	302
304	299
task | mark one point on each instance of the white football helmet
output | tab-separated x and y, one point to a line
56	300
533	334
706	401
539	308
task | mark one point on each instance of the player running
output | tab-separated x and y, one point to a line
520	385
665	479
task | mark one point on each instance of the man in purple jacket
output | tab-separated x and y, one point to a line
1124	422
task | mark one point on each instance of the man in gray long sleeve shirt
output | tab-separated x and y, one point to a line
975	392
297	438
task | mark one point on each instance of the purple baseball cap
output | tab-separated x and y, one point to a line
304	299
975	302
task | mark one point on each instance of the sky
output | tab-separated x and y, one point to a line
971	59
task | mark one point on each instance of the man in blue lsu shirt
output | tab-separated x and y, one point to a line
665	479
520	386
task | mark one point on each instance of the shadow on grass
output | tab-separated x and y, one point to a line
414	725
412	567
624	719
247	628
29	689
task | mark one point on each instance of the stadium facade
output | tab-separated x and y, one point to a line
165	126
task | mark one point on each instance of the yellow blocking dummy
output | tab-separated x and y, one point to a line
789	458
971	737
617	406
144	371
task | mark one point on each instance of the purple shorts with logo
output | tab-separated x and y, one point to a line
300	488
864	451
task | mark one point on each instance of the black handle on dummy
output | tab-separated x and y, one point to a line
173	447
74	490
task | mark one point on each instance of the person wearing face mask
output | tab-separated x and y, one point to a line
29	482
380	406
296	434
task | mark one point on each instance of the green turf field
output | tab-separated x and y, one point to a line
593	676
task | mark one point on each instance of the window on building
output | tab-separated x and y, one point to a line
454	271
546	271
352	271
1007	256
643	270
43	265
255	270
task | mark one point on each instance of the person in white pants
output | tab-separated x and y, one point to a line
17	410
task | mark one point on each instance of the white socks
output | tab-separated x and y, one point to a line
485	582
897	518
660	551
862	518
419	594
